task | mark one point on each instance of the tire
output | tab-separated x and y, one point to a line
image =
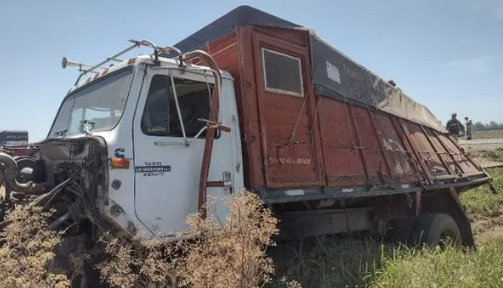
434	228
403	229
25	162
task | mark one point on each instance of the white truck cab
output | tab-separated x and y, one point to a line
152	113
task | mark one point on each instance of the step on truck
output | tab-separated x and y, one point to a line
254	102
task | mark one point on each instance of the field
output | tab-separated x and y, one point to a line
487	157
488	134
484	153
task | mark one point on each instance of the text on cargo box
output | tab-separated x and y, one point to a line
289	160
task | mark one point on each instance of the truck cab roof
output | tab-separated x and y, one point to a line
148	59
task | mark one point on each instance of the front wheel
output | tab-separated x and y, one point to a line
436	229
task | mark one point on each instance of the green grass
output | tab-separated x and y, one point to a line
481	202
333	263
494	155
352	263
367	263
489	134
448	268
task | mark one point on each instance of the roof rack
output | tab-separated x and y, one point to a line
136	44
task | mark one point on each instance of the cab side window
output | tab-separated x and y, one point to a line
160	116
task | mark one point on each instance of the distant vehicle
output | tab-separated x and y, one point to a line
13	138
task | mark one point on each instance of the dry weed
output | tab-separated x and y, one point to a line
133	264
232	253
229	253
27	255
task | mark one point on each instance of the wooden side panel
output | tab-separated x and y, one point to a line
252	134
376	165
445	156
440	156
315	141
427	154
233	53
290	146
362	147
342	159
465	165
401	159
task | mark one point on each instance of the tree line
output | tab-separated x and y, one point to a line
487	126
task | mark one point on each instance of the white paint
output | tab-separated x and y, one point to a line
405	186
158	205
172	196
347	190
400	168
294	192
387	145
333	73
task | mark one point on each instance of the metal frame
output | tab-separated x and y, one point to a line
136	44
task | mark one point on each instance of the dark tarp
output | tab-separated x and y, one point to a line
334	74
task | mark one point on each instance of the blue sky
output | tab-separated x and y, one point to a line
445	54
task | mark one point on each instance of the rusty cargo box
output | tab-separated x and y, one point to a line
315	124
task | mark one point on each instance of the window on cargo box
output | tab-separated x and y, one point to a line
160	116
282	73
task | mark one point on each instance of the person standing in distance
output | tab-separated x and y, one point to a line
453	126
468	124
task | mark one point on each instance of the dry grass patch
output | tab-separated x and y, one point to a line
221	253
27	254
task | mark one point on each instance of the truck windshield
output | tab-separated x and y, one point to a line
96	107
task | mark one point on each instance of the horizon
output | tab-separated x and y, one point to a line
431	61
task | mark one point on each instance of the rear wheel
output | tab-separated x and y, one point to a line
403	229
436	229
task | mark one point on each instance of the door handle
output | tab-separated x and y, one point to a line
166	143
225	183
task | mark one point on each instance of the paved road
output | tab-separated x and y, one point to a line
482	143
